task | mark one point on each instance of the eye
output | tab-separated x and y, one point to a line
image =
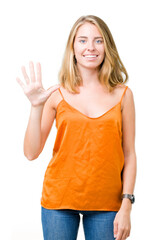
82	41
99	41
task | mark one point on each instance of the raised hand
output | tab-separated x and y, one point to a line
33	88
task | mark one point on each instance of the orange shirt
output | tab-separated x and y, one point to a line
85	171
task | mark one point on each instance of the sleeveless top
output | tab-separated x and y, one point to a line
85	171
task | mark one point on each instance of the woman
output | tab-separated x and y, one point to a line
93	167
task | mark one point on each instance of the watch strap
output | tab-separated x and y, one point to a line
129	196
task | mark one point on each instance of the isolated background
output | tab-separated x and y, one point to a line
38	30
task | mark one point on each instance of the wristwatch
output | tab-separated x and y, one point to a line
130	196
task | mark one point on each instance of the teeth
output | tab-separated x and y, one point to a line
90	56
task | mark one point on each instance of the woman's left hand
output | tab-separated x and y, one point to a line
122	224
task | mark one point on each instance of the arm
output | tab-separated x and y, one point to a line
130	164
42	111
32	139
39	125
122	224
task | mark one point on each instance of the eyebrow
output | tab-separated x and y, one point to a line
87	37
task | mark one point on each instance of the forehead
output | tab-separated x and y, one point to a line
87	29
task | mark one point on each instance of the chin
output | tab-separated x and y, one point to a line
90	65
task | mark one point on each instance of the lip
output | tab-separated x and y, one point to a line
92	56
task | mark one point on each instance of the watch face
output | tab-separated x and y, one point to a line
132	199
130	196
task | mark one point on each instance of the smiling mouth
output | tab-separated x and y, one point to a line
90	56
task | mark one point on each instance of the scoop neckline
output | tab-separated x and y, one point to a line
94	118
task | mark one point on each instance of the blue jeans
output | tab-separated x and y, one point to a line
63	224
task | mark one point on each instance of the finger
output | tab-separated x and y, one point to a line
32	73
124	235
39	73
20	83
25	75
119	235
115	231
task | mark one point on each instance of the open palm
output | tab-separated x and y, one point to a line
33	88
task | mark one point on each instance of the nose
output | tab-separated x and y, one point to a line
90	46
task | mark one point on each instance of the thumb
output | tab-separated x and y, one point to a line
52	89
115	229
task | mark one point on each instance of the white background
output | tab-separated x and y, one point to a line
38	30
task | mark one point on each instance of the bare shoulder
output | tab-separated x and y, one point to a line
120	89
128	96
54	99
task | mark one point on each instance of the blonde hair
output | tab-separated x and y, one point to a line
111	70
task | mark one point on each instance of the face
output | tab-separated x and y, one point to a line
88	46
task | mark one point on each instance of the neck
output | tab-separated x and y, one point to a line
89	76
